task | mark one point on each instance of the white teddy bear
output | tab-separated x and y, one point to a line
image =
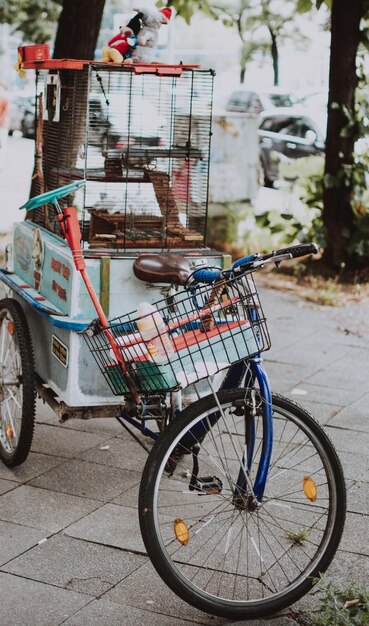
149	33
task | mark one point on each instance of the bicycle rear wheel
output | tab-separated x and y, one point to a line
17	385
222	553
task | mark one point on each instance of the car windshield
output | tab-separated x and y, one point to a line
282	99
294	125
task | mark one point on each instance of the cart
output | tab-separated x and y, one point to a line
139	136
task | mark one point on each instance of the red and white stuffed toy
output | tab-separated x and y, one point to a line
149	33
119	48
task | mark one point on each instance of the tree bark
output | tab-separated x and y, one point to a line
76	37
338	217
275	56
78	29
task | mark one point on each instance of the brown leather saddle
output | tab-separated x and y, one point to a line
166	268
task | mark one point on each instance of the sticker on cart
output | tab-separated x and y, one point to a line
22	252
59	350
38	257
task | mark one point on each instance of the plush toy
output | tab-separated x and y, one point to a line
119	48
149	33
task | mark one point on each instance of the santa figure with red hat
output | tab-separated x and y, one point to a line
149	33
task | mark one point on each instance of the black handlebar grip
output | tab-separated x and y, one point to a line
299	250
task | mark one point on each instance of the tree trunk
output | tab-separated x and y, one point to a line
337	213
242	74
76	37
275	56
78	29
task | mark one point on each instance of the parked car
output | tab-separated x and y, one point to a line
288	133
316	100
247	100
22	115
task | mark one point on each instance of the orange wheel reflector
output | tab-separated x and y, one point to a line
9	432
11	328
181	531
310	489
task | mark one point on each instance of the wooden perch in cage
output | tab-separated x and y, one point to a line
146	154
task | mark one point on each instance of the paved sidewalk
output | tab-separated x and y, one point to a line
70	547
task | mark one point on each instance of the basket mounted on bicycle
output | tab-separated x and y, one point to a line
193	335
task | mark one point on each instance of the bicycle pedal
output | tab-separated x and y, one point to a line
207	484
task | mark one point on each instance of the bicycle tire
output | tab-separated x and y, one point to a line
282	546
17	387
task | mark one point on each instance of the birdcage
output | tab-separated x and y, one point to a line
140	137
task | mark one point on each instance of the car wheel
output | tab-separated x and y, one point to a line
263	179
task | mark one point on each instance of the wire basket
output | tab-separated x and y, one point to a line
183	338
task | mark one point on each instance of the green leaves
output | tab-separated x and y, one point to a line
36	19
303	6
187	8
348	607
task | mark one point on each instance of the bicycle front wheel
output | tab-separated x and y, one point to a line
212	545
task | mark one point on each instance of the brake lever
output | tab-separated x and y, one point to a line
277	260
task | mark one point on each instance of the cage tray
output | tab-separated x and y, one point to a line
114	230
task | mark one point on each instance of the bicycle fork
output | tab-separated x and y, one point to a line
255	373
246	494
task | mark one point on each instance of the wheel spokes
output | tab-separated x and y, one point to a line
10	386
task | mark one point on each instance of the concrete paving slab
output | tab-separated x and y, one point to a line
7	485
43	509
156	597
87	479
111	525
67	443
354	415
332	395
103	612
337	374
284	376
128	498
355	466
36	464
159	598
25	601
122	453
348	568
77	565
274	621
322	412
16	539
347	440
356	533
313	353
358	498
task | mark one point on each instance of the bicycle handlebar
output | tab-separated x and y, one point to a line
255	261
296	251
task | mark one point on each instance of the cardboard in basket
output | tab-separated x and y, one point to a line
203	354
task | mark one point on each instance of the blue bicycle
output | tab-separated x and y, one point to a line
242	500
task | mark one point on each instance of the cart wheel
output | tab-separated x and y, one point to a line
17	389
